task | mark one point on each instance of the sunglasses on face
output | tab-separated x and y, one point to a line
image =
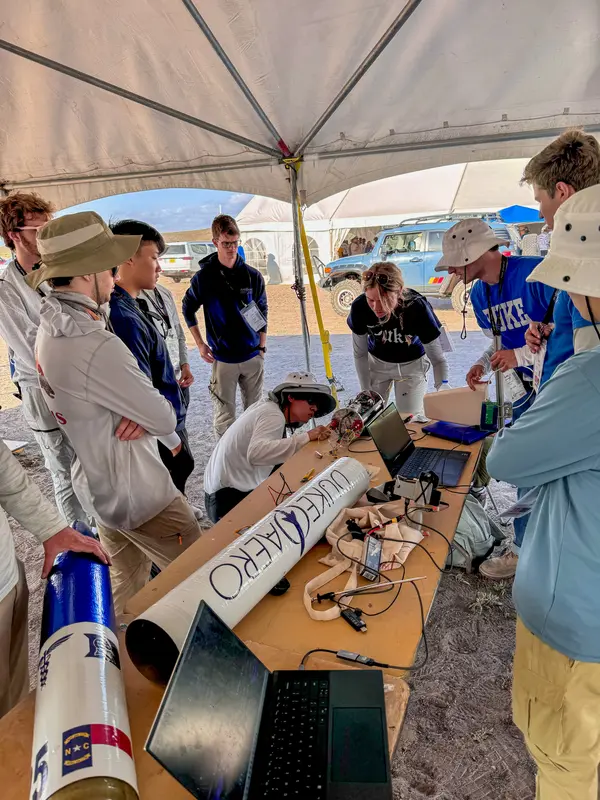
113	271
379	277
28	228
230	245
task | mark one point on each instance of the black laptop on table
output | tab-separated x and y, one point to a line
404	460
228	729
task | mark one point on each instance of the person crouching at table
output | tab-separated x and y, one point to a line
396	338
261	438
555	446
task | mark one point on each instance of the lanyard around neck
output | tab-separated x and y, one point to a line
494	320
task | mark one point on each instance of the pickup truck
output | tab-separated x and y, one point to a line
415	246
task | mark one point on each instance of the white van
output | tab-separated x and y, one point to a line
182	259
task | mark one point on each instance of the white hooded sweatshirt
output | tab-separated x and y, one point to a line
90	381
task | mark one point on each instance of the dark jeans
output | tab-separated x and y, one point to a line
181	465
221	502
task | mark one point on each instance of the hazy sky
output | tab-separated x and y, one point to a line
168	209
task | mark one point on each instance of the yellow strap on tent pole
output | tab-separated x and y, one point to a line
323	333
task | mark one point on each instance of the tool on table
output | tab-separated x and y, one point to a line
310	474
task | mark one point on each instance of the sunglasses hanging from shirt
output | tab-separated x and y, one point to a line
158	313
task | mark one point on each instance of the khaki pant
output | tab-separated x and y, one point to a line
161	539
556	705
223	388
409	380
57	451
14	673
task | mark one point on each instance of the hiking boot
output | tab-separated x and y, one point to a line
501	568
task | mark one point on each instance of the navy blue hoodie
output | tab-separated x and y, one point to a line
147	345
224	292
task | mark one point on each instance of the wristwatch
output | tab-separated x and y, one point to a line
262	349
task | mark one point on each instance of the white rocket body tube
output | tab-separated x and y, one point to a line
236	579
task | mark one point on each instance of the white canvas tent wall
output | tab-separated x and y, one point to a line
101	96
267	224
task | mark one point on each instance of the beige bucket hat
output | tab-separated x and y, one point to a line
573	263
79	244
465	242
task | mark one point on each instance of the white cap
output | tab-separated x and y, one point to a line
299	383
464	242
573	263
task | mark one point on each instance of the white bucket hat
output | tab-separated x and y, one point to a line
573	263
465	242
299	383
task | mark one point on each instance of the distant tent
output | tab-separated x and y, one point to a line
518	214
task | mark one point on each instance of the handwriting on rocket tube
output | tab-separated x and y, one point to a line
283	529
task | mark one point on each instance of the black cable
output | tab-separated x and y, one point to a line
316	650
351	450
371	662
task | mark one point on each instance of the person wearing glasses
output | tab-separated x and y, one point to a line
91	380
149	341
234	299
21	216
396	338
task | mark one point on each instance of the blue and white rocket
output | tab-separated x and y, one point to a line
82	741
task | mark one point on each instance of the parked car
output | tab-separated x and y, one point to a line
415	246
182	259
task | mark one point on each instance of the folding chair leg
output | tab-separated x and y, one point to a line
491	496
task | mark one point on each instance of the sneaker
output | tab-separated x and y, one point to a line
501	568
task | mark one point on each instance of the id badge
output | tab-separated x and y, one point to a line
253	316
538	365
514	385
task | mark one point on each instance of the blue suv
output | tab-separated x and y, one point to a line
415	246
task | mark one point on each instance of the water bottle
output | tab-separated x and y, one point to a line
445	385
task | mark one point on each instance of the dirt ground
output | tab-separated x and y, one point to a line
284	320
458	740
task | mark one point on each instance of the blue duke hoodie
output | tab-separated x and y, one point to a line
223	292
555	446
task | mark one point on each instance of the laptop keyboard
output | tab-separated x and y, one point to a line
421	460
296	765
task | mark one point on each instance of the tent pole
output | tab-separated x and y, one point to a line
499	388
362	68
242	85
323	333
459	141
145	173
135	98
299	285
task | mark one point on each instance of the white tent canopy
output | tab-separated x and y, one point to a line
482	186
267	228
100	97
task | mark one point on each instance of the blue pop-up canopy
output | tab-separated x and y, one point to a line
516	214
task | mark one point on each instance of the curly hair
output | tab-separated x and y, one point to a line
13	210
573	158
387	279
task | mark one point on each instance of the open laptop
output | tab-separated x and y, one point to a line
403	459
228	729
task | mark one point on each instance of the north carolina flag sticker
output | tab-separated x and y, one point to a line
78	745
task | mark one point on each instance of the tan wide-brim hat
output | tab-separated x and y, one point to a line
573	263
79	244
299	383
465	242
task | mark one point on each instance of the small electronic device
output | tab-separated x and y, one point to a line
489	416
371	558
229	728
354	619
403	459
